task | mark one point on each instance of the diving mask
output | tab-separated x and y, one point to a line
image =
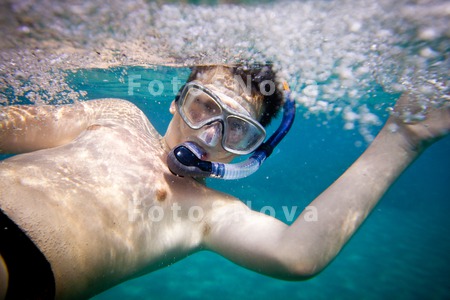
199	106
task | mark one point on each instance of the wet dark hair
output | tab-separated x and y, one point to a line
269	96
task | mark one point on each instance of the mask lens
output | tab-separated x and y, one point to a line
199	108
242	136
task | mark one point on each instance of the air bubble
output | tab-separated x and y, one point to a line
331	52
393	127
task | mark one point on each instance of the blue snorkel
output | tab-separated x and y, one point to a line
184	160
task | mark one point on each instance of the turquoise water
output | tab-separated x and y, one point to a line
401	252
329	49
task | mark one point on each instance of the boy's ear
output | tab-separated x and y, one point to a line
172	108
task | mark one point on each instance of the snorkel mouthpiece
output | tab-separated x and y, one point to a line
185	159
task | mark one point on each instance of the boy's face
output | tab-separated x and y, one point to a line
208	137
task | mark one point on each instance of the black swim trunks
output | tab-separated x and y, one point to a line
30	274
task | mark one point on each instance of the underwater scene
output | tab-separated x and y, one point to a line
347	62
401	252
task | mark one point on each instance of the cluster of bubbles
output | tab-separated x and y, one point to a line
336	55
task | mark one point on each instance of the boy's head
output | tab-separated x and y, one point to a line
254	86
224	108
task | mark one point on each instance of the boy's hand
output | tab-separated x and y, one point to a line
420	123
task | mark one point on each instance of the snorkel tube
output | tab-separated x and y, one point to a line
185	159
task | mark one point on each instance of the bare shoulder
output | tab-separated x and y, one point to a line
26	128
117	111
105	105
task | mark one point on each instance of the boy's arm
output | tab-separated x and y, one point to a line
28	128
303	249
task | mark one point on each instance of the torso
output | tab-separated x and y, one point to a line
104	207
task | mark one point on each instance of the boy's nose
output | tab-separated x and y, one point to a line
211	134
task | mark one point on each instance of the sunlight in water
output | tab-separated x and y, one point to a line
335	54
